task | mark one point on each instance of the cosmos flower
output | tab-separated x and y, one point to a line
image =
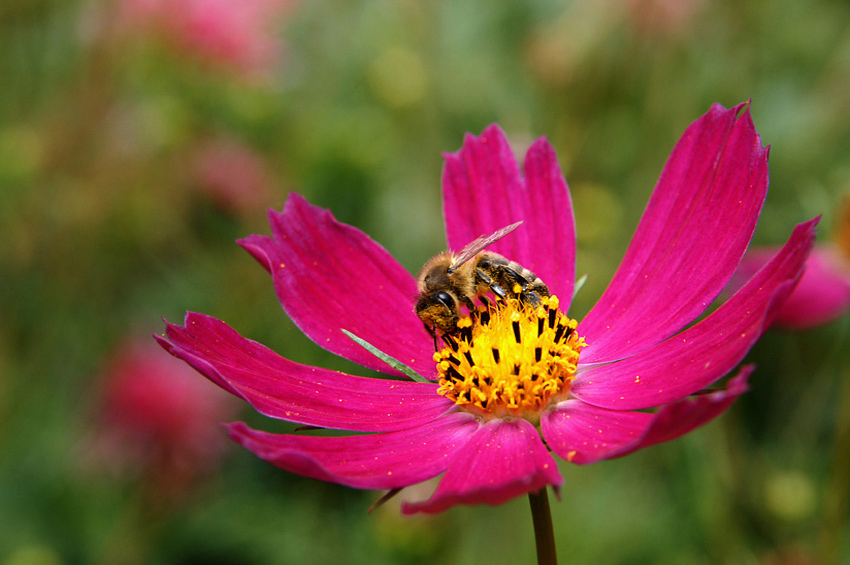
231	175
235	35
155	420
659	19
519	384
823	294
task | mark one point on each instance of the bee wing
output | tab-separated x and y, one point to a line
474	247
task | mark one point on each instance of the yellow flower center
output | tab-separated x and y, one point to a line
510	359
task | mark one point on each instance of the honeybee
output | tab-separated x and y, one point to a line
449	281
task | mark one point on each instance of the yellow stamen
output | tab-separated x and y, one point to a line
510	359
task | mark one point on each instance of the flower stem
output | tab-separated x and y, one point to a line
544	534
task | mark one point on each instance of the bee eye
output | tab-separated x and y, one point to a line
444	298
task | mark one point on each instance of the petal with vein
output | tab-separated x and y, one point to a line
822	295
703	353
483	191
583	434
283	389
504	459
376	461
693	233
329	275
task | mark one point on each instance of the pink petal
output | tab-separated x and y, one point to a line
504	459
483	191
330	276
705	352
691	238
280	388
582	433
378	461
822	295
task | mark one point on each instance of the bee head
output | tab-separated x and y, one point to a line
438	310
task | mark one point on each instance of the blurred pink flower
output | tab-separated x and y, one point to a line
517	384
823	293
232	175
154	419
655	19
238	34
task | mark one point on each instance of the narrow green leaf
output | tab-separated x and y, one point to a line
579	284
391	361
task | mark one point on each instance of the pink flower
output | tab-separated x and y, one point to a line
823	293
653	19
639	353
231	175
155	418
239	35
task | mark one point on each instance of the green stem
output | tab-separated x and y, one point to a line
544	534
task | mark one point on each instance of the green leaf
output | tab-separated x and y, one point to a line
579	285
389	360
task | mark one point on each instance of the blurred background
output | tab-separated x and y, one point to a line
140	138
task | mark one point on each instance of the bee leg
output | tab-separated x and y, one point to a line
539	290
530	297
528	293
530	290
497	290
515	278
433	335
467	302
507	276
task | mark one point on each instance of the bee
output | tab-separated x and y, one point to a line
449	281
